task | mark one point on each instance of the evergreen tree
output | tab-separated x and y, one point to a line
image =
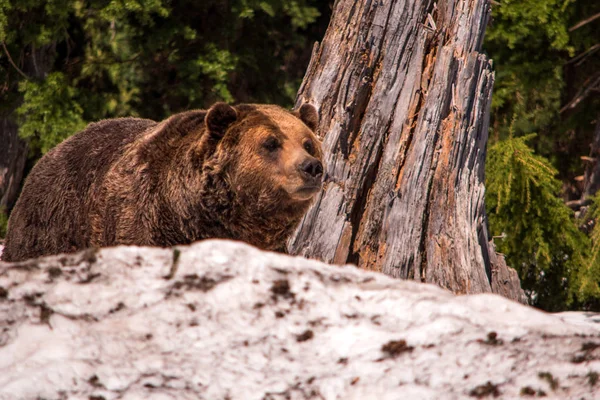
541	65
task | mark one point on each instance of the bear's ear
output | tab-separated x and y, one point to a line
309	115
219	117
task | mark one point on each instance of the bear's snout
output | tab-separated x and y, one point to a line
311	170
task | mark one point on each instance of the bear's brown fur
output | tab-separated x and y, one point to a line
247	172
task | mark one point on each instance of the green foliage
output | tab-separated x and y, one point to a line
541	20
87	59
529	42
216	65
536	230
300	12
39	22
144	11
49	113
532	48
4	9
590	279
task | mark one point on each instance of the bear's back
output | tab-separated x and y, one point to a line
53	203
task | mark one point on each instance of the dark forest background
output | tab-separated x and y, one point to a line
65	63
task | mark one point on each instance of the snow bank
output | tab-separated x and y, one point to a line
223	320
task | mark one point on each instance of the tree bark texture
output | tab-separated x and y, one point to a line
404	100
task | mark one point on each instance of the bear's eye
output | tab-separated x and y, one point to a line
309	147
271	144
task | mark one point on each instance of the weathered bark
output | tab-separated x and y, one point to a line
404	99
505	281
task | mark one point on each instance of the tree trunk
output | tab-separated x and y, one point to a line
13	150
13	154
404	99
592	171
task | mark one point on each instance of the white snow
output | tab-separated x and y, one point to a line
125	323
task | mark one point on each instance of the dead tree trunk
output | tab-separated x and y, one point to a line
404	100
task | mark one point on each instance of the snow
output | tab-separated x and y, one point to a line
230	321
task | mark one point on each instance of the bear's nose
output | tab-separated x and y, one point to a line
311	168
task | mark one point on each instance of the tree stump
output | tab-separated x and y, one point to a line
404	99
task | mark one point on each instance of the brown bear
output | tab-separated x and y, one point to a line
246	172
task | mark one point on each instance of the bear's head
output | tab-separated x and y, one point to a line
246	172
272	156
